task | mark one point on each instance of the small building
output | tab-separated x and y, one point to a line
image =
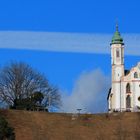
124	94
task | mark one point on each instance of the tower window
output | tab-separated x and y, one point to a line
135	75
117	53
128	88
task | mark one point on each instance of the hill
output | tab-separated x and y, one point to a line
57	126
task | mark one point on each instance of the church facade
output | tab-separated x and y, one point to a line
124	94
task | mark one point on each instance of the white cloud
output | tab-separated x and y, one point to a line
89	93
66	42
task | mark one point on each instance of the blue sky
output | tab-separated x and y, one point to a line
70	16
69	41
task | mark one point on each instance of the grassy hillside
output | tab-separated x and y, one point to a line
49	126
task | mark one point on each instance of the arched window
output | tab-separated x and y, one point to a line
135	75
128	88
117	53
128	101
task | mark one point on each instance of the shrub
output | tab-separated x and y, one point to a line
6	132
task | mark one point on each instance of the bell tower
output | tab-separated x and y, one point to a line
117	62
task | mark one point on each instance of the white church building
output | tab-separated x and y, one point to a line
124	94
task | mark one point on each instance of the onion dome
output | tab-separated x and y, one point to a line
117	39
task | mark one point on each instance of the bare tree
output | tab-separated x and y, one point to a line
20	81
52	98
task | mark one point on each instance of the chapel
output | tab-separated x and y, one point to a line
124	94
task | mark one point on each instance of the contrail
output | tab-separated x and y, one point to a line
66	42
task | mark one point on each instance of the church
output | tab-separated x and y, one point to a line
124	94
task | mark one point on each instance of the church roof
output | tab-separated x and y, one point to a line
117	39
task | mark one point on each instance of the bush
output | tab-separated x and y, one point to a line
6	132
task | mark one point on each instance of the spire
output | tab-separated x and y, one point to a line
117	27
117	39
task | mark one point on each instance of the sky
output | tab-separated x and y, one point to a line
69	41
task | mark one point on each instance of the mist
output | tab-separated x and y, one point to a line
89	93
